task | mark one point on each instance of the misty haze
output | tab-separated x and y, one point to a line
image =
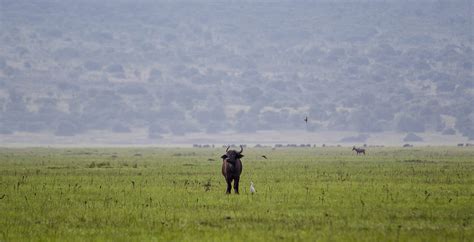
236	120
183	72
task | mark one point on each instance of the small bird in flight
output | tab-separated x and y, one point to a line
252	189
306	119
264	157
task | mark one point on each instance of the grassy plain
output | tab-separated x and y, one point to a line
177	194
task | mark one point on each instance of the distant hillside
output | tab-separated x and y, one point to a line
68	67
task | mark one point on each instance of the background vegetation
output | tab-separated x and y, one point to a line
172	67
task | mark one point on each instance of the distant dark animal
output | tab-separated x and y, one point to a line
232	168
264	157
306	119
358	150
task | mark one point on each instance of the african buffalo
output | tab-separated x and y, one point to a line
232	168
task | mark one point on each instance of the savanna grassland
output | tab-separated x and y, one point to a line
178	194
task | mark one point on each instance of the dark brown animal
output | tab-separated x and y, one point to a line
359	150
232	168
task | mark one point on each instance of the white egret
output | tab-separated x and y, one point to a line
252	189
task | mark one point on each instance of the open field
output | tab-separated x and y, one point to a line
311	194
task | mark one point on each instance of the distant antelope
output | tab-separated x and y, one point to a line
359	150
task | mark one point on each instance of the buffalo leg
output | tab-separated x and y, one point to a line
236	185
229	185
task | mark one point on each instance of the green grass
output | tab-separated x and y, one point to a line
310	194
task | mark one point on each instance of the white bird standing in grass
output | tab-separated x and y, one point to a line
252	189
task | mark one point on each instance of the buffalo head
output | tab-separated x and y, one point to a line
232	156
